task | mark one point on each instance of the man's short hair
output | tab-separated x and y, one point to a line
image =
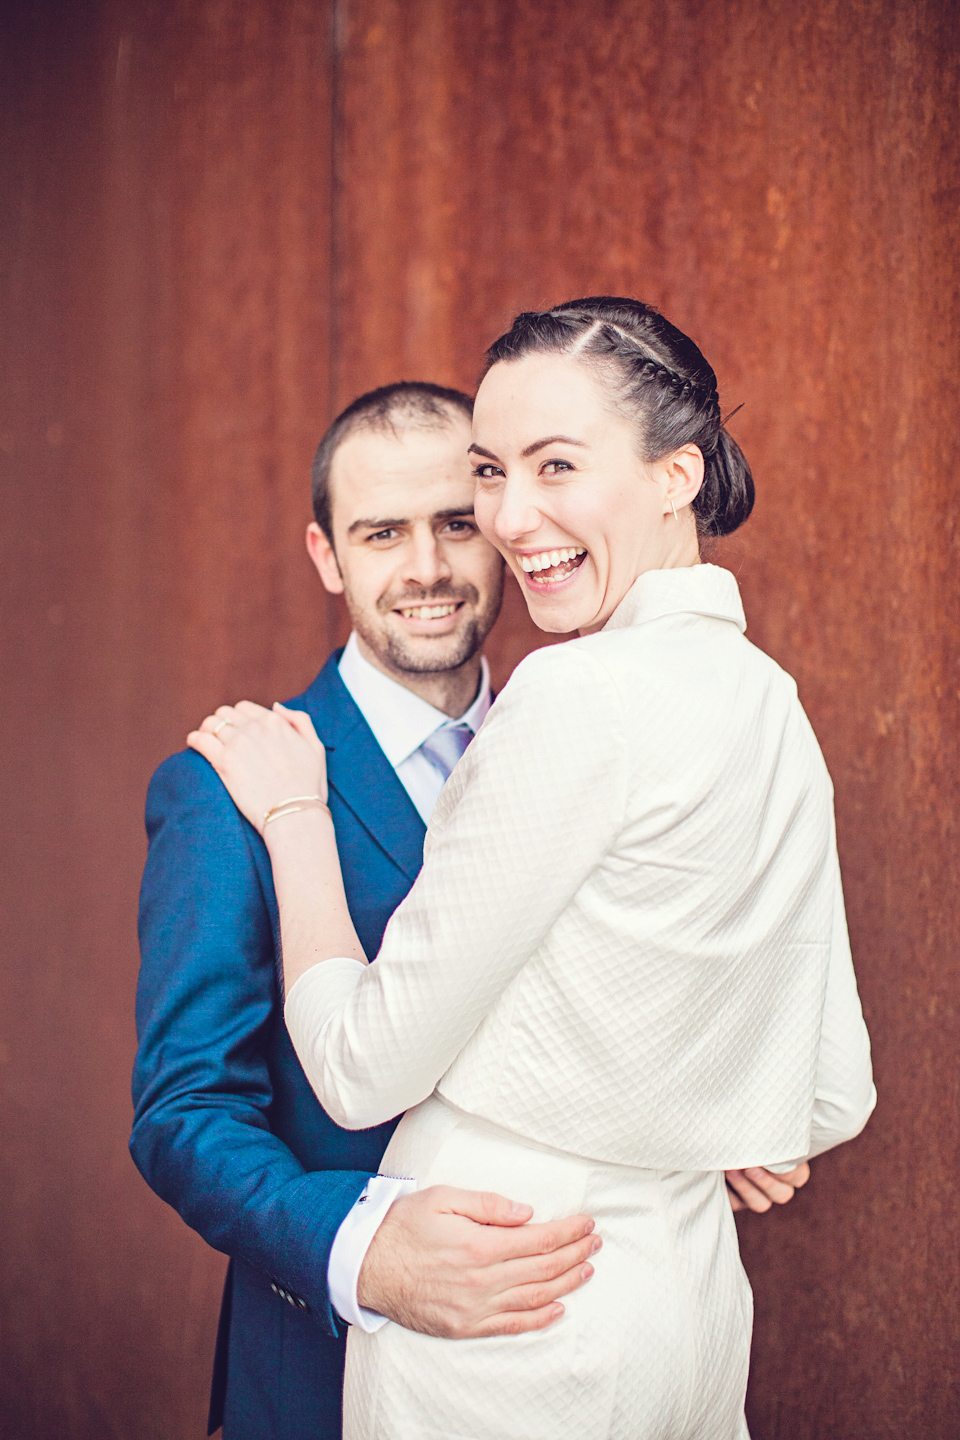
414	404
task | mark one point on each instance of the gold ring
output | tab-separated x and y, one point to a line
217	728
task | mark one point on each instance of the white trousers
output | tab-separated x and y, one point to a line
654	1347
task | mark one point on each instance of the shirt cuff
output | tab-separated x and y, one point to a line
350	1246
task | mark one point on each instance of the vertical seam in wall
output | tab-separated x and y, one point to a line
338	26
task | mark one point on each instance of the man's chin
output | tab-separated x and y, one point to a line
427	654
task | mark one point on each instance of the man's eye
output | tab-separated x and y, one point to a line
383	535
459	527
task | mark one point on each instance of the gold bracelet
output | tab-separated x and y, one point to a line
292	806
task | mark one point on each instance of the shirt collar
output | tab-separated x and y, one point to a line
690	589
399	719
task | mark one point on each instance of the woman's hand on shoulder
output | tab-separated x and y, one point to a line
264	757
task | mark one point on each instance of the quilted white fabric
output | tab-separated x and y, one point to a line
655	1347
628	939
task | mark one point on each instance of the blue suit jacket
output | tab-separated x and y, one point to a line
226	1128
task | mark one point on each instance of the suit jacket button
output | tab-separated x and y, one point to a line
274	1287
302	1304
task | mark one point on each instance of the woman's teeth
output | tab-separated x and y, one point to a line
551	561
427	612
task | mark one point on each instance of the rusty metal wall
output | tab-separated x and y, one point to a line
782	179
227	218
166	169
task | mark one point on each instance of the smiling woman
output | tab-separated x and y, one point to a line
600	1014
612	455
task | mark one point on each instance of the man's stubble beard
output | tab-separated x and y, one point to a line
396	654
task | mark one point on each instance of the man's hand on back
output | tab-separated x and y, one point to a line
463	1264
758	1189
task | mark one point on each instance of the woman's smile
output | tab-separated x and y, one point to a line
546	569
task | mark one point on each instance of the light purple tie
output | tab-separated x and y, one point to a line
445	746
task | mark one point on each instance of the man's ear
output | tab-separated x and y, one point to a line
324	557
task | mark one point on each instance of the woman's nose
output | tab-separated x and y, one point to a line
517	515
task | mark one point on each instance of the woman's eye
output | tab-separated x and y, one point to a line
487	472
556	467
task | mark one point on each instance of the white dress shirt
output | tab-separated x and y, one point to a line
628	938
400	722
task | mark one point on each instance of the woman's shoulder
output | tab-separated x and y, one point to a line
570	664
555	695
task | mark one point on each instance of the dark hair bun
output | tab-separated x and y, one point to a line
726	495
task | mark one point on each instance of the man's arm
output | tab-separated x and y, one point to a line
206	1007
206	1004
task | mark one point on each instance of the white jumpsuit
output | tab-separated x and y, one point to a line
623	969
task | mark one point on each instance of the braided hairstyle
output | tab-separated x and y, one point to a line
656	378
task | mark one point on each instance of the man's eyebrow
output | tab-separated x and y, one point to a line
375	525
454	513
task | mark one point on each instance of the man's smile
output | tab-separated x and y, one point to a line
430	617
428	612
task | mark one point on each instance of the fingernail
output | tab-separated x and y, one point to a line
590	1225
586	1272
557	1311
596	1245
520	1210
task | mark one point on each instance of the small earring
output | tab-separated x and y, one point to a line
674	509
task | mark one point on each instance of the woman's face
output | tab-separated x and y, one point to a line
564	496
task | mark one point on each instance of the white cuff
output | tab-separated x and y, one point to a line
350	1246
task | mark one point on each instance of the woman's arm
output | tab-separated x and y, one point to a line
274	767
845	1095
529	812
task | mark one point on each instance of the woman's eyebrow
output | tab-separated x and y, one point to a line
530	449
551	440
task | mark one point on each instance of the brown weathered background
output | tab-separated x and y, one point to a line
222	219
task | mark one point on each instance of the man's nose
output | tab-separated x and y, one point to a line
425	563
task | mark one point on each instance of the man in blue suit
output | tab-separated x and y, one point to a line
226	1127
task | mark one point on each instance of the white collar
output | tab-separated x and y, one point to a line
689	589
399	719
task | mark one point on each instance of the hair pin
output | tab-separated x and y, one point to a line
730	416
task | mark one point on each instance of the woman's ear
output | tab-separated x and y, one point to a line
321	552
683	472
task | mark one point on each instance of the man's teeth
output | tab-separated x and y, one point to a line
427	612
547	559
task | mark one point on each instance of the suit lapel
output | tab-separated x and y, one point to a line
359	773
